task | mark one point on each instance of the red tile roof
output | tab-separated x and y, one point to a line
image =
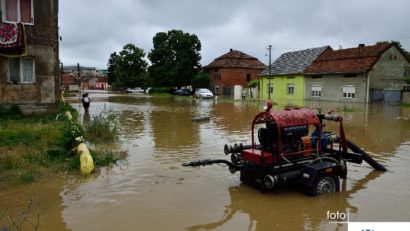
236	59
68	79
351	60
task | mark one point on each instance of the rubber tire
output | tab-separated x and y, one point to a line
322	181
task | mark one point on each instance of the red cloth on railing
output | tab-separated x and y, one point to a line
12	39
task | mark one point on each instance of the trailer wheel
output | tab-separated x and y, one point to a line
326	183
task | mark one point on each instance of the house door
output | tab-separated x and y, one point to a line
392	96
376	95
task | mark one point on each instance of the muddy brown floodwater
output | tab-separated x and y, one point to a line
151	191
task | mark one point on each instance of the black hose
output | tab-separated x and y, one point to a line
209	162
376	165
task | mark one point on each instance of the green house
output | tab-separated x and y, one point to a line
284	83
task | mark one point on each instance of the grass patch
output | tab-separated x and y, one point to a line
70	93
35	147
404	104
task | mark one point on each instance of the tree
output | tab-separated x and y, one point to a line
112	67
131	66
175	58
201	80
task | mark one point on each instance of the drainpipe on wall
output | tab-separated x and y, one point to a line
367	86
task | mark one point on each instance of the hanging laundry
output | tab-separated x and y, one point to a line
12	39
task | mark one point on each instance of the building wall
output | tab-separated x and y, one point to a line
389	70
280	88
229	77
42	44
332	87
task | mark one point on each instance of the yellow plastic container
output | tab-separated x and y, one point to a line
86	160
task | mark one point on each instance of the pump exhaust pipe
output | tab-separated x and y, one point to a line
237	148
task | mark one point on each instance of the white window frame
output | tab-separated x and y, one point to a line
291	88
349	92
21	67
4	10
316	91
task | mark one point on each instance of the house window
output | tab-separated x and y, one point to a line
349	92
270	89
316	91
248	78
21	70
407	71
18	11
393	57
217	76
291	89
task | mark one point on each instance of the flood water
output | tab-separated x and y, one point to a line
150	190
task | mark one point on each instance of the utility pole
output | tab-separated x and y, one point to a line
270	69
79	79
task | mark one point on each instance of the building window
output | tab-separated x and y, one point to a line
248	78
407	71
216	90
316	91
291	89
393	57
349	92
18	11
269	89
21	70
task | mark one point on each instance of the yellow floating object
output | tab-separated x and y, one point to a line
86	160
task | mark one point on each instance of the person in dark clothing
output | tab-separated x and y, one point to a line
86	102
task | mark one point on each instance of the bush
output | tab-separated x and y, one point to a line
102	128
156	90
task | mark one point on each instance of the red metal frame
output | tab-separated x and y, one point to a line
283	119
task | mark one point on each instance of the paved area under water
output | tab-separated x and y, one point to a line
150	190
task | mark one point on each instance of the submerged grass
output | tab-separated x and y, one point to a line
34	147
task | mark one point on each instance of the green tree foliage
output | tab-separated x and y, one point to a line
112	66
131	66
201	80
175	58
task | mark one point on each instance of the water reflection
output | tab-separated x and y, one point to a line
269	211
132	123
235	117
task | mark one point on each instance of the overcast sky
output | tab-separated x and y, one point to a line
93	29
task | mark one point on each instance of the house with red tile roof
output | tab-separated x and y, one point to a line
233	68
360	74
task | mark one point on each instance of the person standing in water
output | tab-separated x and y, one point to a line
86	102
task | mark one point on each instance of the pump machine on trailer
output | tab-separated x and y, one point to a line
293	147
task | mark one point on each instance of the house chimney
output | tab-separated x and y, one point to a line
361	45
